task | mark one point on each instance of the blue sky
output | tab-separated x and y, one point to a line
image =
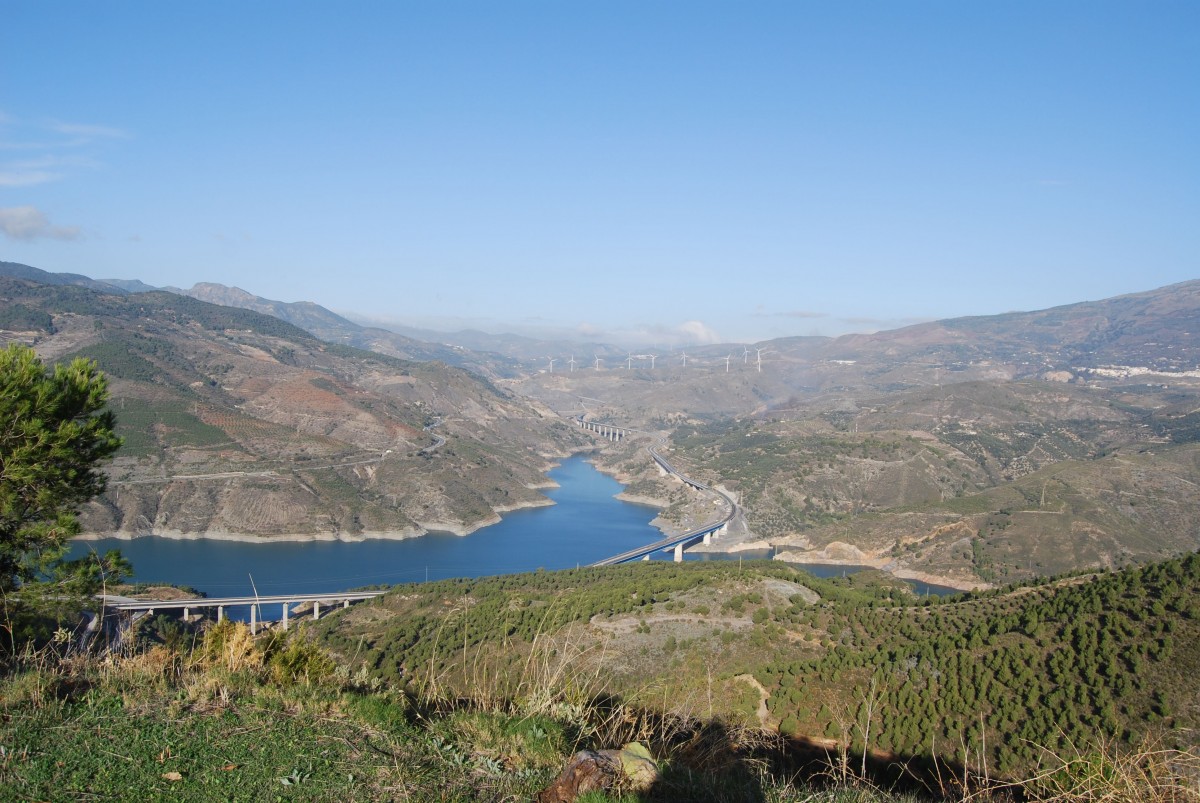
665	171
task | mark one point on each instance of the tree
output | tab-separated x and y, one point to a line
54	433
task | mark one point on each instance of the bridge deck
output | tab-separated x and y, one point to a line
125	604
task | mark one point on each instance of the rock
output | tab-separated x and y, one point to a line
631	768
587	771
637	765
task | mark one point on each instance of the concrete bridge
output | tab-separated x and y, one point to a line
678	543
285	601
675	543
609	431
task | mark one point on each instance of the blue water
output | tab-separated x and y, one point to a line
586	524
824	570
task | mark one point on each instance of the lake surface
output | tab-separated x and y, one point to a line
585	525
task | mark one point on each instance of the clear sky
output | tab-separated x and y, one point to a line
684	170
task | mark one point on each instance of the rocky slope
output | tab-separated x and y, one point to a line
968	451
241	424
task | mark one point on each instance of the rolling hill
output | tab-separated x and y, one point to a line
238	423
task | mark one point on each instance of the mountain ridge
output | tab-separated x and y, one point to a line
240	423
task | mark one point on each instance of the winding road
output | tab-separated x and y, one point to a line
686	539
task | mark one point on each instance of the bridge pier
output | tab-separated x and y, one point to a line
316	610
708	537
220	614
679	553
254	620
284	620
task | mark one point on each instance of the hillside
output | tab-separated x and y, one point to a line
969	451
751	682
333	328
242	424
972	483
985	681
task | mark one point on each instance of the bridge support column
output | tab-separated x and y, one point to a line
679	553
645	557
345	604
316	610
708	538
254	620
186	612
286	605
220	614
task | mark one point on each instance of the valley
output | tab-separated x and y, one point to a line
1054	481
968	452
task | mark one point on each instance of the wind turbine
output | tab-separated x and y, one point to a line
552	361
727	357
652	359
745	355
628	362
760	353
597	362
684	355
571	362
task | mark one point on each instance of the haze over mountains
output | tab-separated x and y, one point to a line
968	450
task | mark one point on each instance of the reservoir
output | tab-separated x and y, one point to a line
586	524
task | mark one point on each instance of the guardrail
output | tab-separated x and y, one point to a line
679	542
285	601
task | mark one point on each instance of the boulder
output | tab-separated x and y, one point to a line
630	768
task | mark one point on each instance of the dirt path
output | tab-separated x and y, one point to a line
764	715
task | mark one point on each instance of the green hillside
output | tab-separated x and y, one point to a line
993	681
743	682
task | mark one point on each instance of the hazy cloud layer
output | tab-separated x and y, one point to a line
796	313
688	333
27	223
88	132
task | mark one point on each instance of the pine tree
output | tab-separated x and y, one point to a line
54	433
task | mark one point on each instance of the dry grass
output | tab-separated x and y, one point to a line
1107	772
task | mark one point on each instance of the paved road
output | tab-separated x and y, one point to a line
691	535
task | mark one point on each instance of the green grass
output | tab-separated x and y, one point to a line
219	715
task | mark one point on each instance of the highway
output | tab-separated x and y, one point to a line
128	604
686	538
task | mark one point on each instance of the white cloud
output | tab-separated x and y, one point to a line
85	131
58	149
688	333
28	223
11	176
699	332
29	172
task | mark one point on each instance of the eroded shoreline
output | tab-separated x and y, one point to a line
460	529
